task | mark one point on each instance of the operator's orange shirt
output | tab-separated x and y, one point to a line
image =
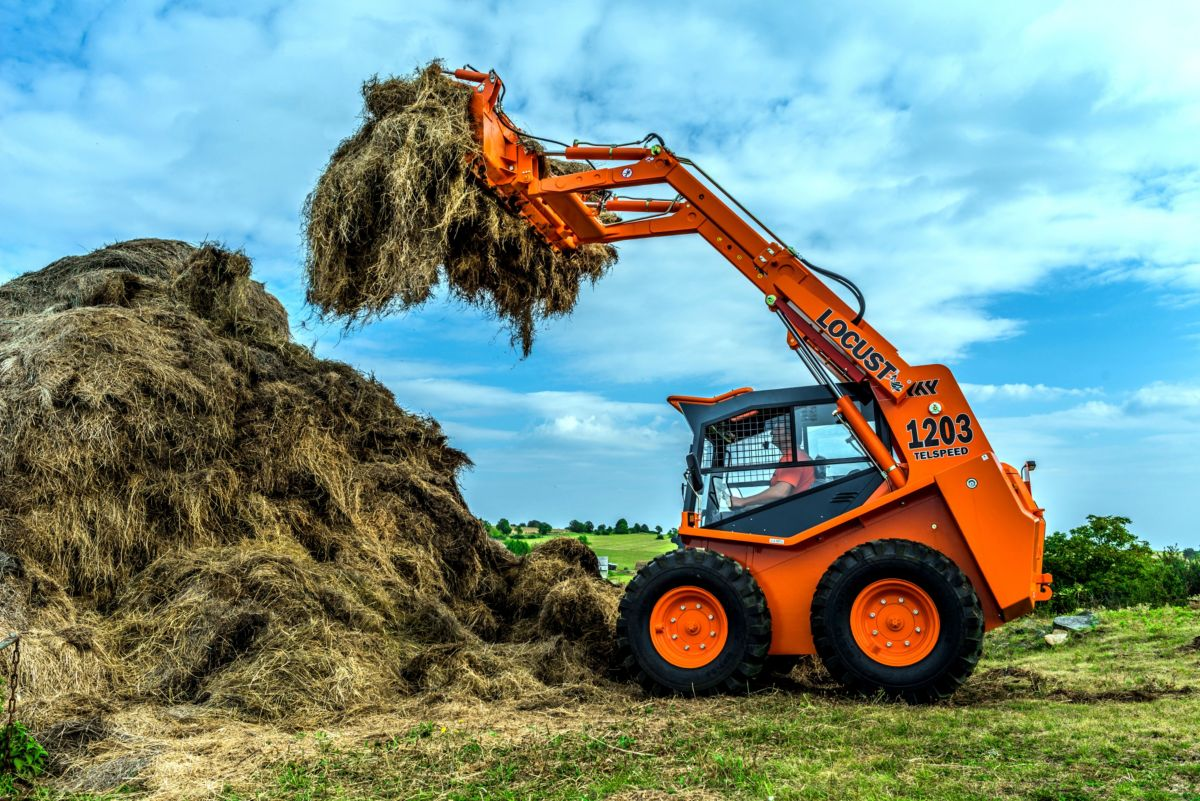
801	478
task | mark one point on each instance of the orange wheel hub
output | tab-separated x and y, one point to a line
688	627
895	622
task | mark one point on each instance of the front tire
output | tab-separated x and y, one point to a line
693	621
899	618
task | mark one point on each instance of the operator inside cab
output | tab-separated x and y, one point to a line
785	481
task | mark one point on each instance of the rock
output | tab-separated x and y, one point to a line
1056	638
1085	622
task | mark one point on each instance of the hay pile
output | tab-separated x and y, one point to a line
196	510
398	210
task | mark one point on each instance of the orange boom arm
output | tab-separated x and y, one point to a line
559	208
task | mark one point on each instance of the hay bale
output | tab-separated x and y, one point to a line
545	566
583	611
569	550
398	211
194	509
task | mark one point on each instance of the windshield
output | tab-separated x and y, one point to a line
765	455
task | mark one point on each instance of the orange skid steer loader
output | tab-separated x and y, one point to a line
864	518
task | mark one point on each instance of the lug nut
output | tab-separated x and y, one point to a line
889	645
915	612
702	646
883	600
687	647
710	617
872	615
674	636
918	629
682	608
672	620
874	632
901	599
906	642
697	606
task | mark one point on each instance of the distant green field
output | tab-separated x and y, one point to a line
625	550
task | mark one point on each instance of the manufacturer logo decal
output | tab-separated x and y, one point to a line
927	387
862	350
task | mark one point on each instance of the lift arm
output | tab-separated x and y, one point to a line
929	434
557	206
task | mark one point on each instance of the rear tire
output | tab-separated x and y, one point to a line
725	625
872	647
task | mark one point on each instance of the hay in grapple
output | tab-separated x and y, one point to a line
398	210
196	510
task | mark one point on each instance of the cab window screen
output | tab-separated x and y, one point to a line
750	439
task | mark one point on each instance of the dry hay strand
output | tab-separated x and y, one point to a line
581	611
197	512
398	211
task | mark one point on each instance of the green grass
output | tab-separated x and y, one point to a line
1034	723
1112	714
626	550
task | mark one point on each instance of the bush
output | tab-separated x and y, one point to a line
583	538
519	547
21	756
544	528
1102	563
660	536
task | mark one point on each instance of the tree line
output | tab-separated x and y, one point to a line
504	528
513	535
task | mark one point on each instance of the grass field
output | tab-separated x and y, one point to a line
1112	714
625	550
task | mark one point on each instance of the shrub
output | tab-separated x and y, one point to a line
583	538
21	756
1103	563
519	547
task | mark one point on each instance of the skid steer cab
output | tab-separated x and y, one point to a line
796	543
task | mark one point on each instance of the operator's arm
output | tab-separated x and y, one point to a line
780	489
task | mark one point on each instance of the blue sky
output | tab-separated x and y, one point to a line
1016	187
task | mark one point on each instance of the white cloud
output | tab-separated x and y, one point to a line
605	431
982	393
1163	396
